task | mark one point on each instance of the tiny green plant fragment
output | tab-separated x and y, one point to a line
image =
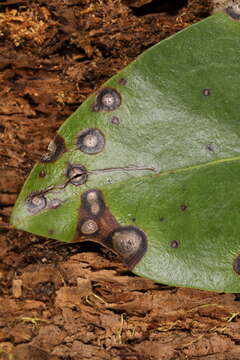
149	166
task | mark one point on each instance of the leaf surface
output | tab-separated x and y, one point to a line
149	165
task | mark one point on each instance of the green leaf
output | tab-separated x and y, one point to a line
149	166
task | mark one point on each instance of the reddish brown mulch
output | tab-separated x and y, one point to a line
64	302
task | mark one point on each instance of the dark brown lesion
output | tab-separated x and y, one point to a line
93	208
55	149
97	223
42	174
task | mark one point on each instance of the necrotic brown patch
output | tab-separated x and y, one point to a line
98	224
90	141
77	174
95	220
55	149
107	99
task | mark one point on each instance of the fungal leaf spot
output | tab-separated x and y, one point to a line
90	141
236	265
183	207
233	11
36	202
55	149
77	174
107	99
130	243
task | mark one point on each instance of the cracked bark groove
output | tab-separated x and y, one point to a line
78	301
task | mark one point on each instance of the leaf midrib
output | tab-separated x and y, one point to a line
199	166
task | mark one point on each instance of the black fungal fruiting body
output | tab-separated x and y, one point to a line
210	147
99	224
42	174
107	99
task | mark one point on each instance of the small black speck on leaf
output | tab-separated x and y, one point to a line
174	244
161	219
122	81
210	147
183	207
206	92
42	174
115	120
